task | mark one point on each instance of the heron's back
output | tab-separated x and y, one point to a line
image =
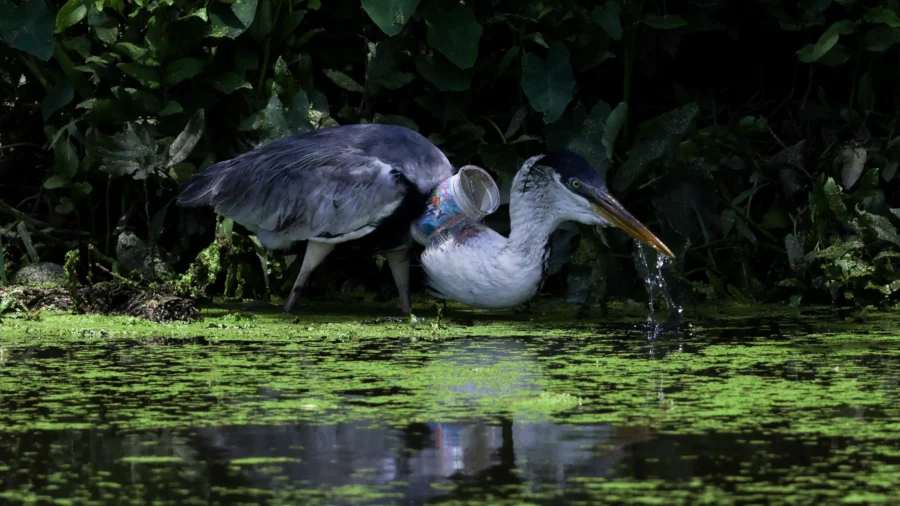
330	185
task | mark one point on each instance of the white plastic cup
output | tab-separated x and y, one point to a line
459	201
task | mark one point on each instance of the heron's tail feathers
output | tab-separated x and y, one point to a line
201	189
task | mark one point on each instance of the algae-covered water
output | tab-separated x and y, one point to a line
736	406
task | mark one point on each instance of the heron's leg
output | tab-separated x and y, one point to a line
315	253
399	263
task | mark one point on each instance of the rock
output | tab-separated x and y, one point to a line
43	273
136	254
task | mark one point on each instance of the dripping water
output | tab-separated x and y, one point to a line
655	282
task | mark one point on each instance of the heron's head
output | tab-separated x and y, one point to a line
580	194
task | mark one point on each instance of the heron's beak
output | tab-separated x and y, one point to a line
610	209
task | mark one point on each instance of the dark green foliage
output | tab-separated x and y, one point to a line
758	138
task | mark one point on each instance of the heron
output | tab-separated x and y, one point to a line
367	183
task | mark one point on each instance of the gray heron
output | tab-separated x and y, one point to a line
369	182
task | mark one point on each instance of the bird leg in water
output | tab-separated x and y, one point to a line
399	263
315	253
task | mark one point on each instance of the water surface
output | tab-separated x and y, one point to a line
726	409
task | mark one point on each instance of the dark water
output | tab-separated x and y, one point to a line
736	411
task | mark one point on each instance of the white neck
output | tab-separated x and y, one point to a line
533	218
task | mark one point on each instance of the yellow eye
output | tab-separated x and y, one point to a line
576	183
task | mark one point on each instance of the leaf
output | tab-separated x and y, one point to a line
381	69
53	182
171	108
667	22
130	152
390	15
613	124
65	206
182	69
229	82
57	96
883	15
589	141
549	84
881	38
181	172
881	227
654	139
890	170
344	81
182	146
853	160
157	223
445	76
455	33
28	27
69	14
65	159
82	189
834	199
25	237
608	16
515	123
133	51
812	52
233	18
147	76
794	252
866	93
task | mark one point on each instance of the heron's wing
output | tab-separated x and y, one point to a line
331	185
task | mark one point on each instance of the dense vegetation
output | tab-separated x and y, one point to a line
758	138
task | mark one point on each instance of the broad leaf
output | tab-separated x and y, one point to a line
455	33
881	227
57	96
69	14
654	139
171	108
608	16
852	159
550	83
828	39
883	15
147	76
65	159
589	141
390	15
182	69
881	38
28	27
344	81
182	146
613	124
442	74
667	22
229	82
794	253
866	93
382	68
233	18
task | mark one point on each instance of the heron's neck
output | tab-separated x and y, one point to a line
532	220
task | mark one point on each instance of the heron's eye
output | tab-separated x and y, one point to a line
575	183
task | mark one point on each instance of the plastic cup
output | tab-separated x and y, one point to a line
457	202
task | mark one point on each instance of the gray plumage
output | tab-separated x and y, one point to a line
331	185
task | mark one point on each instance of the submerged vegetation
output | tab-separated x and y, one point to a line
768	167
